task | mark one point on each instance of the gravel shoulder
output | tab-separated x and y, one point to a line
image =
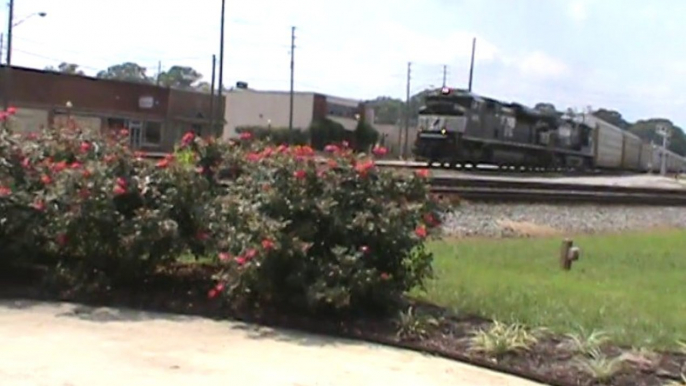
70	345
530	220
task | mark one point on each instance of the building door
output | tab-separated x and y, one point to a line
135	134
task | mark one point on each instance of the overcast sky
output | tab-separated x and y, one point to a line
622	54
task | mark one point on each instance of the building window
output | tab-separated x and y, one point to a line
152	134
342	111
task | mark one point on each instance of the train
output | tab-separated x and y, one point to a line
456	126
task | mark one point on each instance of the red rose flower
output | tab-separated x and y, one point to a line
267	244
380	150
423	173
187	138
299	174
85	147
420	231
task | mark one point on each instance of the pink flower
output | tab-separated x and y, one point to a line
423	173
119	190
187	138
380	150
163	163
253	157
267	244
420	231
60	166
11	110
85	147
224	256
46	180
241	260
39	205
75	165
384	276
299	174
364	249
5	191
331	148
364	167
246	136
214	292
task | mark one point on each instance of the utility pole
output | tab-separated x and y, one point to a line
8	69
159	71
212	86
221	66
445	74
290	108
471	65
407	109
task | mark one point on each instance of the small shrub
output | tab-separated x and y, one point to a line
500	339
413	326
582	342
599	366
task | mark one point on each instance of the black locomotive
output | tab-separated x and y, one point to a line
459	127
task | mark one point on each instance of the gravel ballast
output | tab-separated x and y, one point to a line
521	220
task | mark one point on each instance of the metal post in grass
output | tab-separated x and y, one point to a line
568	254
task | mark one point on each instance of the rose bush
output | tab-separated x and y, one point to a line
329	236
286	229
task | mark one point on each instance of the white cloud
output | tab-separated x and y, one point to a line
578	10
541	65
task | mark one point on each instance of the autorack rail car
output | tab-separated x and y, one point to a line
459	127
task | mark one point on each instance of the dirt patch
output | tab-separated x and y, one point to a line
547	361
527	229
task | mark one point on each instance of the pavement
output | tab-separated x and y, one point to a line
62	344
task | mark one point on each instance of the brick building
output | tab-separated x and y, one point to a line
155	116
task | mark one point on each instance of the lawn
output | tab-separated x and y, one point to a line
632	286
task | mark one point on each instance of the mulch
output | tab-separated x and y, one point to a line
182	289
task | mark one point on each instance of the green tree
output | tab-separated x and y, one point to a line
365	136
545	107
128	71
181	77
66	68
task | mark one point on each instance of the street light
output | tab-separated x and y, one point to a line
10	25
40	14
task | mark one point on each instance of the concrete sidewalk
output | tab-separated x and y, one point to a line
71	345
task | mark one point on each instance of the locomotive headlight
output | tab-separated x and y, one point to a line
444	131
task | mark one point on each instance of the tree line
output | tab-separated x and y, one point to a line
180	77
389	110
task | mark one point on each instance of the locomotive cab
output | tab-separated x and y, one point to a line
442	121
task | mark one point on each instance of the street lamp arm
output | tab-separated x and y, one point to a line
41	14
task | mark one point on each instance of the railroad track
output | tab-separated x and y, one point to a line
474	189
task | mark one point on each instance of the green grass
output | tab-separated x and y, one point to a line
632	286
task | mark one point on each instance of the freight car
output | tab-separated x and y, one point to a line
459	127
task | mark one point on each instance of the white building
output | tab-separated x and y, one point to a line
247	107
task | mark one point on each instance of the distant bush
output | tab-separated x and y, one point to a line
277	135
